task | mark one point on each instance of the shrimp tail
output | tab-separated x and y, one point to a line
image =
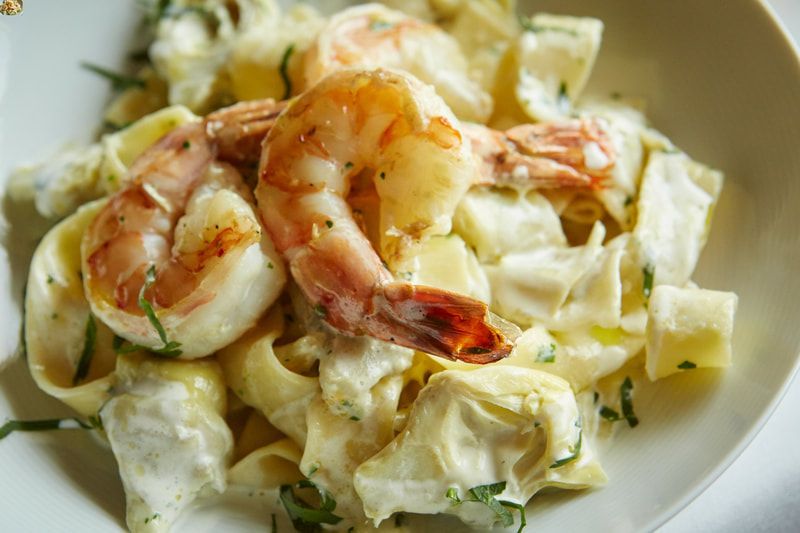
444	323
239	130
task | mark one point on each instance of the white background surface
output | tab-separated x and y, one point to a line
761	490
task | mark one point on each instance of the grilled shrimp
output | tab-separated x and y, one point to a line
372	36
565	154
392	131
176	261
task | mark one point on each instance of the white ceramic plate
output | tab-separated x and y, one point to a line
723	83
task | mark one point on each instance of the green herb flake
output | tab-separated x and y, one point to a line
628	200
380	25
42	425
313	470
50	279
85	361
452	495
329	223
304	517
270	265
609	414
321	310
383	175
528	25
547	354
649	272
687	365
119	82
187	144
616	96
284	71
576	449
626	400
355	418
153	518
348	165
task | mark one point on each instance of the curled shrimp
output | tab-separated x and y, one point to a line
395	130
566	154
176	262
372	36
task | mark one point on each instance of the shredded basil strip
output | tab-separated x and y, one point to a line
119	82
40	425
626	400
85	361
485	494
547	354
306	518
687	365
284	71
170	348
528	25
576	450
649	272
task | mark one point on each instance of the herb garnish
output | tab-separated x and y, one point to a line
687	365
378	25
528	25
576	450
485	494
547	354
609	414
119	82
321	310
85	361
284	71
170	348
43	425
626	400
563	95
304	517
649	272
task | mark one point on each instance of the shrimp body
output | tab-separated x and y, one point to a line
182	238
395	131
549	155
372	36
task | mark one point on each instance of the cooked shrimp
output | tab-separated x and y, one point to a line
396	130
239	129
567	154
372	36
176	261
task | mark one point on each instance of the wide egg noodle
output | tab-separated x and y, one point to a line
674	212
165	427
531	285
528	419
257	54
555	58
255	373
497	222
56	316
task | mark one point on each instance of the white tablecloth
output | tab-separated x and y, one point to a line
761	490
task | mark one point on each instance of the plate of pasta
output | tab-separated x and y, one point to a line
396	266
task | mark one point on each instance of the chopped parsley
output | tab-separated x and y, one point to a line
321	310
186	144
119	82
485	494
626	400
547	354
609	414
329	223
528	25
284	71
649	272
575	450
628	200
85	361
383	175
348	165
50	279
42	425
687	365
270	265
304	517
